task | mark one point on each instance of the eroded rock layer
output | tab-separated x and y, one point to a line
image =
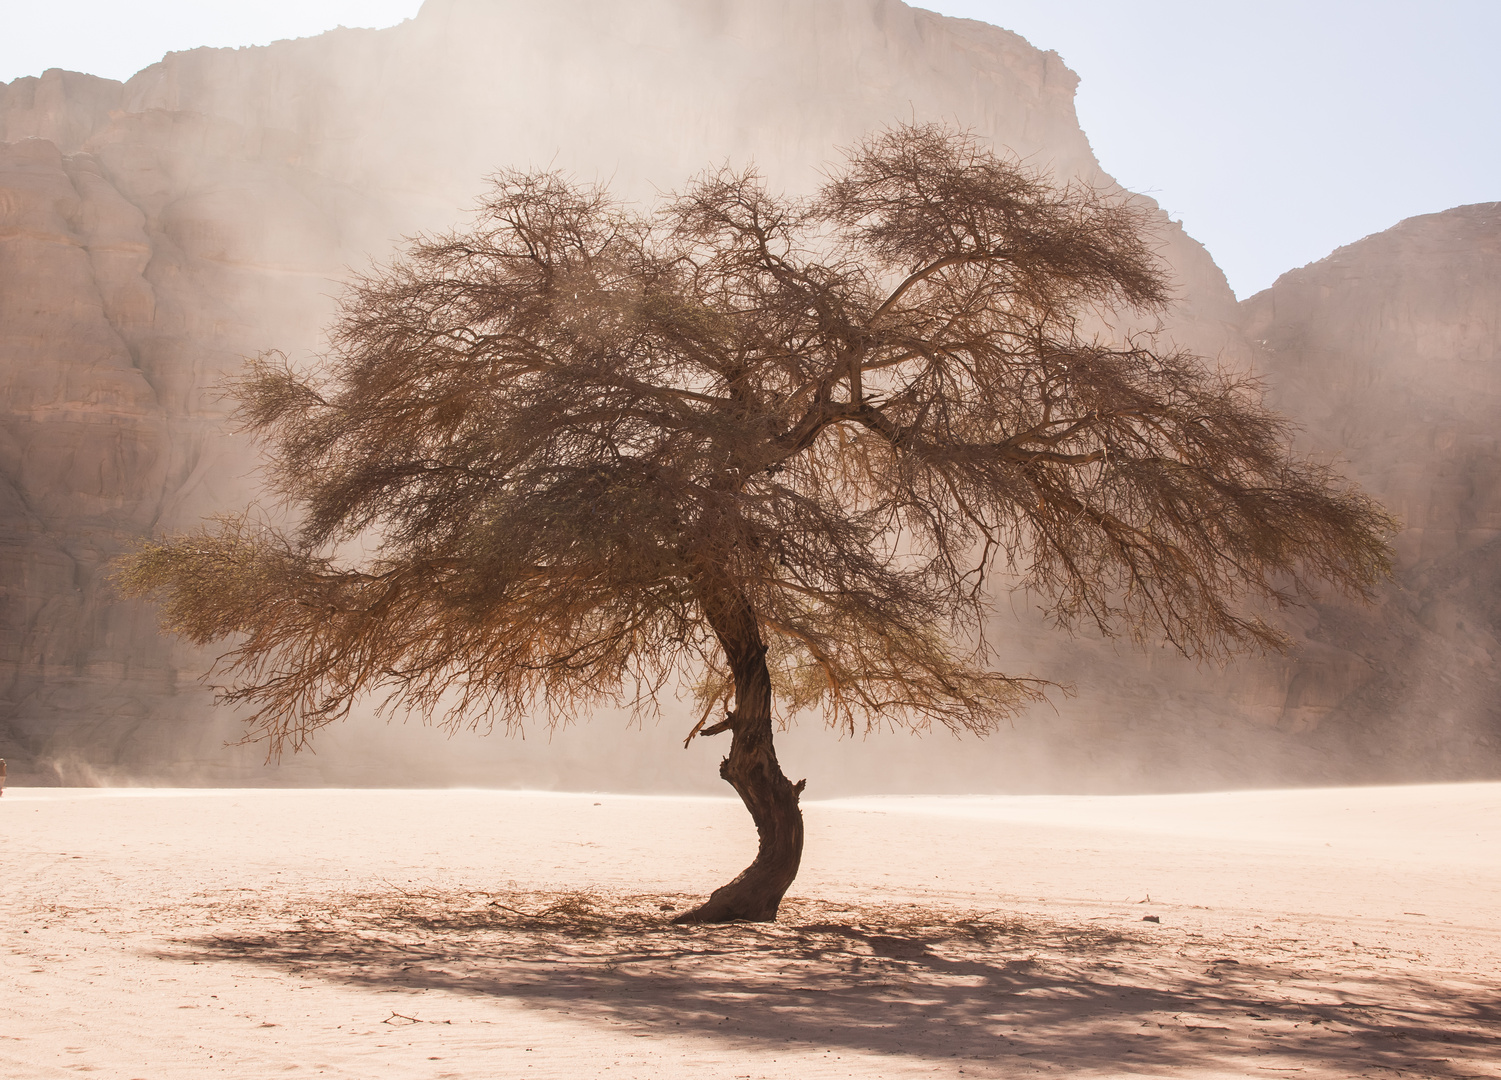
1389	354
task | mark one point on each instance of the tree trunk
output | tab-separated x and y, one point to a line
752	770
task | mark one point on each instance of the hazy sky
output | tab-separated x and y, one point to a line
1275	129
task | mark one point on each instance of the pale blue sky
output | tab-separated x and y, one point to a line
1275	129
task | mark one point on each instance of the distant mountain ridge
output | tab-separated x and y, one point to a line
154	232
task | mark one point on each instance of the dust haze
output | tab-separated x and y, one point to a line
210	207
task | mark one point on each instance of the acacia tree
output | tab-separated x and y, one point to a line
774	446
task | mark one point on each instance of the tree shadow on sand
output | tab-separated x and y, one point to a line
899	979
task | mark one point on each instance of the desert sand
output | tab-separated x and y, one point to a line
156	933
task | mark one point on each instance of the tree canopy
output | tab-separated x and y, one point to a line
577	451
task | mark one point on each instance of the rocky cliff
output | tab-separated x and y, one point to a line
153	233
1389	354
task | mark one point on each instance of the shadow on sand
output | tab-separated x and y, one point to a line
917	982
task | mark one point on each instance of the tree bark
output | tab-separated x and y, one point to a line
752	770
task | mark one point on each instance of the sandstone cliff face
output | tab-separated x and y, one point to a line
1388	352
112	339
152	233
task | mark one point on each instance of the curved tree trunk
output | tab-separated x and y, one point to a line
752	770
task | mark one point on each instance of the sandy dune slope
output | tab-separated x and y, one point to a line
154	934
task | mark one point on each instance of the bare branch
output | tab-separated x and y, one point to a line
592	452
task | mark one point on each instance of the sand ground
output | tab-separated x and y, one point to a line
152	934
